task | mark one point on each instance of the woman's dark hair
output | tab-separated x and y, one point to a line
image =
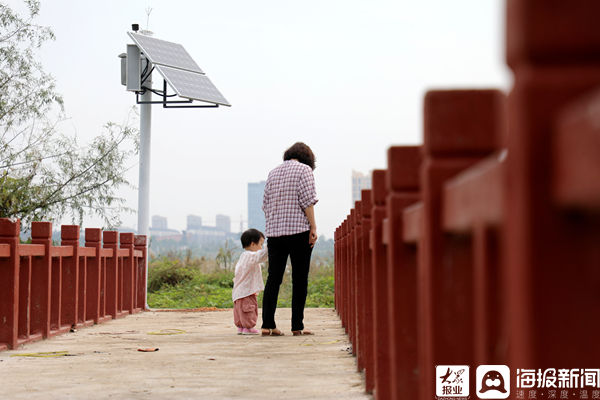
251	236
302	153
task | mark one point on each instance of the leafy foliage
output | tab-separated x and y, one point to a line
186	282
43	173
168	272
26	91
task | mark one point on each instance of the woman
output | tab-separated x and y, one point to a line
288	204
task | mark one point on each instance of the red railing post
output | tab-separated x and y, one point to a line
351	281
551	264
140	244
336	268
41	233
126	240
339	273
56	288
110	239
460	127
356	288
347	275
403	190
347	278
9	283
24	290
380	306
365	278
70	294
344	274
95	286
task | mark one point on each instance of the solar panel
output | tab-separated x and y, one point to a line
192	85
161	52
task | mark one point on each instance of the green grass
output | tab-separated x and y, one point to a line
195	283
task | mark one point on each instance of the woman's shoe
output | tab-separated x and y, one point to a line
271	332
250	331
302	332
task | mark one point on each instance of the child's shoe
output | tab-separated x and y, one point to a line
240	331
250	331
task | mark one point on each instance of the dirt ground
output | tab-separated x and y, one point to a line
200	356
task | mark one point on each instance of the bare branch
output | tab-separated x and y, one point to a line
32	161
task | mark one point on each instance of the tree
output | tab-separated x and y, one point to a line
45	174
224	257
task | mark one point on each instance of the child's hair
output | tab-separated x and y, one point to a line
251	236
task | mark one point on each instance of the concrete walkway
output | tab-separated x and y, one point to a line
199	357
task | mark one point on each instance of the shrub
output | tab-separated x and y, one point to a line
168	272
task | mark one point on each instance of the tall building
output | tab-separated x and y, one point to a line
194	222
359	182
160	230
159	223
223	223
256	216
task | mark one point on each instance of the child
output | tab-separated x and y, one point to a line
248	282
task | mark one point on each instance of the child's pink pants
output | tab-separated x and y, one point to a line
245	312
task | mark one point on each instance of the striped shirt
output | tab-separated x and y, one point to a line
290	188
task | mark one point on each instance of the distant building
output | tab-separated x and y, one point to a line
194	222
205	235
166	234
159	223
359	182
223	223
160	230
256	216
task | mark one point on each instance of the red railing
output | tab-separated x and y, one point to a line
46	290
483	245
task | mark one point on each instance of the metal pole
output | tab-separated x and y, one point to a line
144	180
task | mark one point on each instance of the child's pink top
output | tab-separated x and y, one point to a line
248	277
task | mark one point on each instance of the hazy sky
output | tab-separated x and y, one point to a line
346	77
